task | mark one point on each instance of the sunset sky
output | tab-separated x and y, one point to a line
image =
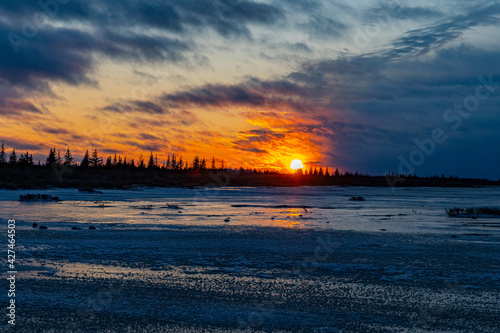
257	83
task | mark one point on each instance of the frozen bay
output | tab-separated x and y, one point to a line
303	259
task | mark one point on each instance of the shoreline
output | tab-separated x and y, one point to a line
140	187
126	179
137	187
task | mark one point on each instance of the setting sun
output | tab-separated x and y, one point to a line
296	164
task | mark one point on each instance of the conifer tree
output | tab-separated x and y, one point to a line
180	163
151	162
86	160
95	160
51	158
13	157
3	158
25	159
196	163
212	166
21	160
174	162
68	158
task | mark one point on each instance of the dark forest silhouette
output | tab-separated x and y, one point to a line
115	171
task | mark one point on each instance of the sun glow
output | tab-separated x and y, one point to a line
296	164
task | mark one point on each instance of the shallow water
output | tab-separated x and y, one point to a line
256	259
405	210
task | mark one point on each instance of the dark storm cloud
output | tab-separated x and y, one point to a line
33	51
259	135
147	136
388	11
214	95
325	27
302	5
135	106
228	17
424	39
21	145
54	55
52	130
254	138
282	93
150	146
251	149
224	16
10	106
67	55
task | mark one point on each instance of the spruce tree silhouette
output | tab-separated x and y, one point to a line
68	158
174	162
95	160
212	166
51	158
25	160
196	163
3	158
86	160
180	164
13	157
151	162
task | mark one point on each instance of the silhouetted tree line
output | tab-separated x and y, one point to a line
173	163
93	160
23	160
94	170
